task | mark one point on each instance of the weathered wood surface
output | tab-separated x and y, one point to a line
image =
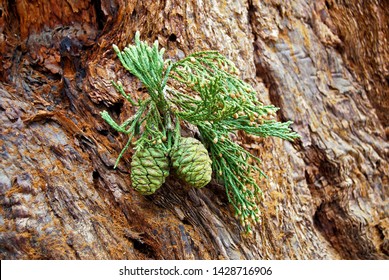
324	63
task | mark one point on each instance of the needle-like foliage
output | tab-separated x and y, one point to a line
203	89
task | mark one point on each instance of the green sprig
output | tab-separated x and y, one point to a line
203	89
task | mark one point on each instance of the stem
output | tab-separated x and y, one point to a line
123	150
120	89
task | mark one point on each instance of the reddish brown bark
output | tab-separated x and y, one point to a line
325	64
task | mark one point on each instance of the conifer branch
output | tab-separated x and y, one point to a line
203	89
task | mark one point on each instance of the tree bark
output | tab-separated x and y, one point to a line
324	63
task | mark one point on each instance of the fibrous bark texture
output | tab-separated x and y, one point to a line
324	63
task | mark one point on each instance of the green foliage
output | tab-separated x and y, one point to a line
203	89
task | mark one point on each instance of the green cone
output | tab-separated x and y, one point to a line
149	169
191	162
